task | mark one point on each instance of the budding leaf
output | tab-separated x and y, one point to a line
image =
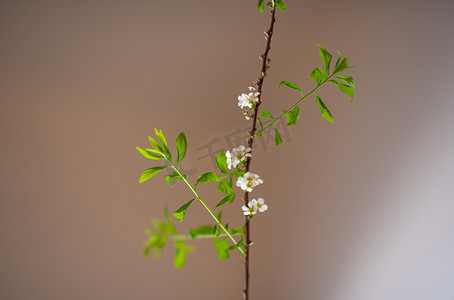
207	177
179	213
280	4
342	66
346	79
292	116
318	75
326	58
344	88
290	85
261	6
171	177
326	114
181	145
148	154
149	173
221	161
222	247
266	114
277	137
163	141
155	145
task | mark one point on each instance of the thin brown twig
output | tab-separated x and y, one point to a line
259	83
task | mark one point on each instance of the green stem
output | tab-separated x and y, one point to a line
205	205
293	106
182	237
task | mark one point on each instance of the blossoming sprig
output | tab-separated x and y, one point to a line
321	77
161	151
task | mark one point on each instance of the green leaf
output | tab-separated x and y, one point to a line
344	88
179	213
290	85
156	146
229	198
342	66
222	247
260	122
164	147
149	173
269	4
207	177
148	154
318	75
221	161
326	57
277	137
266	114
261	6
180	257
326	114
215	229
201	230
280	4
292	116
338	60
181	145
171	177
346	79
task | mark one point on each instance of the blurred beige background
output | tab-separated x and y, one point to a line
359	209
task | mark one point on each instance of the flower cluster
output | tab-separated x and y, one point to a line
253	206
248	100
248	181
237	156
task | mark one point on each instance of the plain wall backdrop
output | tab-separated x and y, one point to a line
359	209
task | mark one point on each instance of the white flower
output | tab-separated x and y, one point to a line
261	204
237	155
248	100
248	181
251	208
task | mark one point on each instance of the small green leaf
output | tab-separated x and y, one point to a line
180	257
346	79
171	177
162	139
269	4
266	114
326	58
148	154
222	247
201	230
277	137
221	161
342	66
338	60
290	85
229	198
149	173
181	145
292	116
280	4
344	88
155	145
260	122
215	229
261	6
326	114
207	177
318	75
179	213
